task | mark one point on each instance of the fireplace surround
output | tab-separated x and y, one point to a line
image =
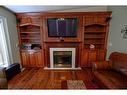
62	58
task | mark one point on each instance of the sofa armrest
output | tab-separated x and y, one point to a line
101	65
12	70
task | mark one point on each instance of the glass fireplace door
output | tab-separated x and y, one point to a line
62	59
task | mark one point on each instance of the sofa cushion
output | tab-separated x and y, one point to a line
111	79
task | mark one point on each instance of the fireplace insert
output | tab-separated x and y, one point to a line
62	59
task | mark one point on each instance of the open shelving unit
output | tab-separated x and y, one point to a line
94	34
95	30
30	35
30	42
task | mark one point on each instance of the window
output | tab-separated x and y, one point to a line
4	58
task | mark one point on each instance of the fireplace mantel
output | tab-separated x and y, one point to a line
63	46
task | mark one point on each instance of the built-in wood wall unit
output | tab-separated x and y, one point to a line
90	43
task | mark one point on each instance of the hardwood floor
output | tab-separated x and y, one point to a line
37	78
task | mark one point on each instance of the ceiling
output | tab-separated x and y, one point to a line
35	8
44	8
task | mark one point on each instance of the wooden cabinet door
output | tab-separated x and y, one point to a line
25	59
84	62
92	56
88	56
101	55
39	59
32	58
36	58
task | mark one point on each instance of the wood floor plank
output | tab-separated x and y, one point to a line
37	78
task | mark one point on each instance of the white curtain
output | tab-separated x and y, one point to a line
4	58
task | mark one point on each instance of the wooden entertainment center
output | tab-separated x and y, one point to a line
90	42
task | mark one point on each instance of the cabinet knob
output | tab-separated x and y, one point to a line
30	52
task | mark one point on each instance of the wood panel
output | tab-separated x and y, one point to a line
84	62
24	59
95	35
92	56
39	59
101	55
89	56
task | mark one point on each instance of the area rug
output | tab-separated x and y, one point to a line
75	84
78	84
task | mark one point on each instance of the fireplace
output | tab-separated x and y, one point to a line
62	58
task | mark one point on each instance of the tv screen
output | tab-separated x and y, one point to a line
62	27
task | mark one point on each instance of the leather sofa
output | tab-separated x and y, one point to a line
111	74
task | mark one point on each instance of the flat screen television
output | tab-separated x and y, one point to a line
66	27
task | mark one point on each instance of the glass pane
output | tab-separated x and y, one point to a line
62	59
3	47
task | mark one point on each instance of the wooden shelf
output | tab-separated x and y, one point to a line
94	38
29	24
30	38
99	24
31	50
31	42
30	32
94	43
93	32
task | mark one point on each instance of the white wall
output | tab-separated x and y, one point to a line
118	21
12	39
